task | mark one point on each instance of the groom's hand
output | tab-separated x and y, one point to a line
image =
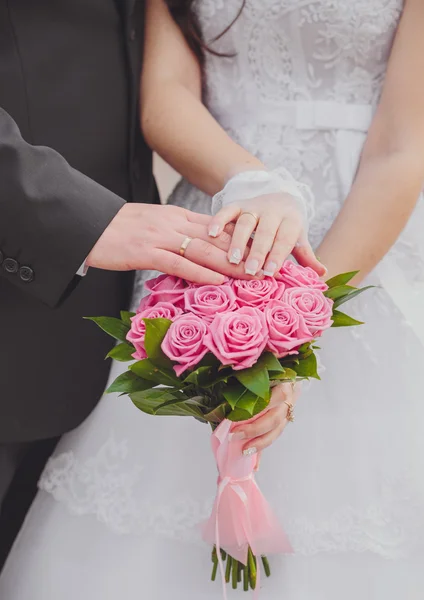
145	236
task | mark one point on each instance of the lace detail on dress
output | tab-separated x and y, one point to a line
105	487
299	49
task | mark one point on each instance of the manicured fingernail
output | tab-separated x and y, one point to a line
250	451
235	256
270	268
213	231
251	267
239	435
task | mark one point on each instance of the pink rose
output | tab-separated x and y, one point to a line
255	293
184	342
136	334
208	300
165	288
287	329
238	338
294	275
313	306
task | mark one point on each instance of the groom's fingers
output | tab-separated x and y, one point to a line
207	255
222	241
174	264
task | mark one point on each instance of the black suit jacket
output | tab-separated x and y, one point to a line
71	154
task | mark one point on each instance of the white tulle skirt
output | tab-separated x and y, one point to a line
120	502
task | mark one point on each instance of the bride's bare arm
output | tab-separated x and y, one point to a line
180	128
174	121
391	170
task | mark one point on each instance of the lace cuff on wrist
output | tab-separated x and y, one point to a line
251	184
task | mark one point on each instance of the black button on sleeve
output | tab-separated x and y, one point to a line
10	265
26	274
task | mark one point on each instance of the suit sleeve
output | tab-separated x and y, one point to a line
51	216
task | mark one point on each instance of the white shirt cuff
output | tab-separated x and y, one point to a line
82	271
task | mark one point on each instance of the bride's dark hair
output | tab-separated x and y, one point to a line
183	13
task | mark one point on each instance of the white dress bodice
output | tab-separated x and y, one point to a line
296	50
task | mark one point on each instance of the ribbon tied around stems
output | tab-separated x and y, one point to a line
241	517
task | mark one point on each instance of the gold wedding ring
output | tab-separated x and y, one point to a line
251	214
290	411
184	245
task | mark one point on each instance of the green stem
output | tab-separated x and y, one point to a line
240	570
267	568
214	570
252	569
246	578
235	573
228	569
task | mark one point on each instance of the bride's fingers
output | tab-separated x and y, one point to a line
305	256
245	226
226	215
264	441
263	241
269	426
268	420
258	461
287	235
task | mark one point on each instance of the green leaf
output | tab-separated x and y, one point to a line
260	405
164	402
201	376
126	317
156	330
180	405
307	367
128	382
342	320
270	362
250	402
147	370
242	413
216	415
348	297
233	393
256	379
122	352
341	279
287	374
239	414
304	348
114	327
339	291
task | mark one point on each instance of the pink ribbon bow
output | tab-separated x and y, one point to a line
241	516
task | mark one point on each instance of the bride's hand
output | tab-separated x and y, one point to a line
279	231
262	432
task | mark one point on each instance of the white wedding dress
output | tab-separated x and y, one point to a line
120	502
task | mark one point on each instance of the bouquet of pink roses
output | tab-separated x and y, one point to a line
216	352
